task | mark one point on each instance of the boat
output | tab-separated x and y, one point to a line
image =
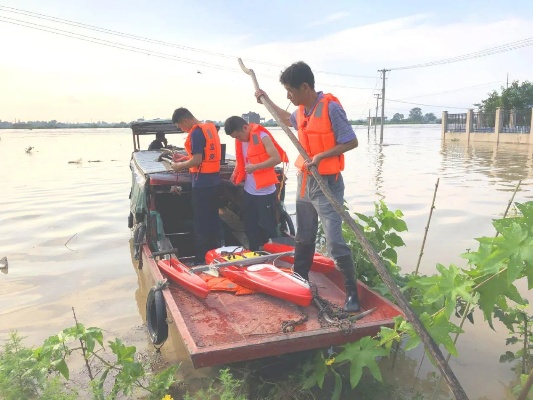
219	327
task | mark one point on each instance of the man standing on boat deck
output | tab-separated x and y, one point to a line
257	153
159	142
325	134
203	147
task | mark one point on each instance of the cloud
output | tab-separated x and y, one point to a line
118	85
328	19
362	50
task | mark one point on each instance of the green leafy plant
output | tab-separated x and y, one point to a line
487	283
120	367
226	388
519	323
22	376
380	229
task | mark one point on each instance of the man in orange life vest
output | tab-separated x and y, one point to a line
203	147
257	153
325	134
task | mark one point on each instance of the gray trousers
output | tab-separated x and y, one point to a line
313	205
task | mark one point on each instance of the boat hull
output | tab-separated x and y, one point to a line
225	328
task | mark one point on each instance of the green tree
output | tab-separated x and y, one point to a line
518	96
430	117
397	118
415	115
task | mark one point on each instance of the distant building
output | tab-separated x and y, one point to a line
252	117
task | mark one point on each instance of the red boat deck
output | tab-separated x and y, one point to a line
226	328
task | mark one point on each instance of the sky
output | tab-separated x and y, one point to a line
94	60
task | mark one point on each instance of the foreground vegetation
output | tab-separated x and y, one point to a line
487	283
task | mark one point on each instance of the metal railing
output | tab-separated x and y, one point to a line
456	123
516	121
483	123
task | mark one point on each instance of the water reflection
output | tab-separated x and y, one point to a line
500	162
376	156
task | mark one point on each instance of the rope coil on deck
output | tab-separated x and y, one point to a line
329	314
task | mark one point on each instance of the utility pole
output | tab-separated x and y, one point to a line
507	80
368	123
378	96
383	72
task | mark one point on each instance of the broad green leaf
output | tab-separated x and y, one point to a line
387	336
62	367
399	225
440	331
360	354
393	240
319	372
390	254
336	395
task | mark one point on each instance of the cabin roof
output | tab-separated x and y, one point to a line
153	126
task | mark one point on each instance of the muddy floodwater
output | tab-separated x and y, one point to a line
63	227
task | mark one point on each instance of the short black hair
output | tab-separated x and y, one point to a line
180	114
233	124
296	74
160	135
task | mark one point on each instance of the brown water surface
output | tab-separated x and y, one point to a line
63	227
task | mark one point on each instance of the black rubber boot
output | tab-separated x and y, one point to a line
303	258
346	265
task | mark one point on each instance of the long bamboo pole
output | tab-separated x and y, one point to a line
428	341
427	227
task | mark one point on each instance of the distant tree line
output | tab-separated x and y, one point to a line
53	124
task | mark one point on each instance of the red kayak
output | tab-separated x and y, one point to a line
263	278
180	274
268	279
320	263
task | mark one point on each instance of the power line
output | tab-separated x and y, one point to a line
482	53
427	105
369	97
108	43
451	90
134	49
153	41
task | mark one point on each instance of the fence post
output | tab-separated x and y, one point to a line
469	124
444	125
498	124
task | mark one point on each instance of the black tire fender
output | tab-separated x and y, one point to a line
286	220
156	316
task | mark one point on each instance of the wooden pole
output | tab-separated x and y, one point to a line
368	125
383	71
428	341
378	96
427	227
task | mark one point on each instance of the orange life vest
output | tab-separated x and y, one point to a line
257	153
212	152
316	135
